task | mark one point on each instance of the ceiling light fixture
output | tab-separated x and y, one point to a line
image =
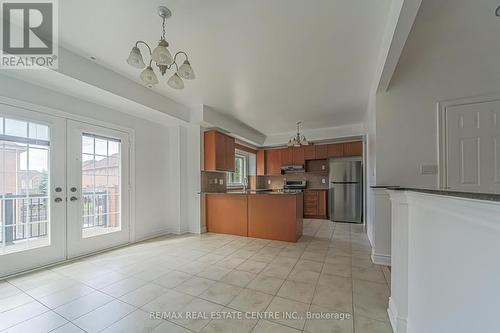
163	59
298	140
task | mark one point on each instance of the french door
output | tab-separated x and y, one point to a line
97	188
64	189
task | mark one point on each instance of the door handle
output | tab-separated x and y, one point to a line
58	199
73	199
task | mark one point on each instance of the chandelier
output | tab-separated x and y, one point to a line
298	140
162	58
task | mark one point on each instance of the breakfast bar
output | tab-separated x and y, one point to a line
267	215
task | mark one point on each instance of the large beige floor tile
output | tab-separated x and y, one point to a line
21	313
136	322
238	278
367	325
221	293
251	300
371	299
83	305
266	284
297	291
102	317
264	326
168	302
143	295
327	321
45	322
290	313
195	286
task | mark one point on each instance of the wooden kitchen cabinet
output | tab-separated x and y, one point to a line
219	150
298	155
273	162
336	150
315	204
321	152
353	148
310	152
286	156
261	162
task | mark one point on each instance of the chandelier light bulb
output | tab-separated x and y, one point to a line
186	71
175	82
149	77
135	58
161	55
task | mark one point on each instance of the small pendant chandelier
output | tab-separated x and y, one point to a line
163	59
298	140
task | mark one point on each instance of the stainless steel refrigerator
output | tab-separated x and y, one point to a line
346	191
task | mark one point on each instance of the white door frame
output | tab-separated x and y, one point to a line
70	116
442	108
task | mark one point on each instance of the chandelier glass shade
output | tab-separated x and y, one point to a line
135	58
298	140
162	58
175	82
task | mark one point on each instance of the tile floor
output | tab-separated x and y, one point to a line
328	271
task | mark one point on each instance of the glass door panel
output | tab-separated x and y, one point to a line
32	166
98	169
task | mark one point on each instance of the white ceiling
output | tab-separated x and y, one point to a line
267	63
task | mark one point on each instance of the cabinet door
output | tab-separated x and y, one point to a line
229	153
273	162
220	152
321	152
298	155
310	152
286	156
310	203
261	162
353	148
322	202
336	150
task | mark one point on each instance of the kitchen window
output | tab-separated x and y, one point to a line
238	177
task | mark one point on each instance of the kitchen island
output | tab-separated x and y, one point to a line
268	215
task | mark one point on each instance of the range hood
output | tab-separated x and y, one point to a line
292	168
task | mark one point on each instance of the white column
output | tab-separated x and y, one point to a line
381	229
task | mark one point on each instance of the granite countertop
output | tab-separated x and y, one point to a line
446	192
254	192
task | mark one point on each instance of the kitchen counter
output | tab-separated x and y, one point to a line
268	215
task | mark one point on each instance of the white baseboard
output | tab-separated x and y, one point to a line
381	259
399	325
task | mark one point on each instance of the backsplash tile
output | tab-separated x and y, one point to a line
213	181
314	180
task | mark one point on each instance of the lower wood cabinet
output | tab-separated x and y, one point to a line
227	214
315	204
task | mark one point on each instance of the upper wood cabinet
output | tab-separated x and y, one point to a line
261	162
310	152
286	156
336	150
353	148
298	156
218	151
321	152
273	162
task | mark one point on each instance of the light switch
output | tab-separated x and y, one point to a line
428	169
323	167
269	182
221	181
323	180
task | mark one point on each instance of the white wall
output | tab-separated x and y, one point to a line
452	52
157	148
444	276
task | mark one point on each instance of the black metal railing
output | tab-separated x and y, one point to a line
26	217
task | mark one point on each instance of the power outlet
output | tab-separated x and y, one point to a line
269	182
221	181
323	180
